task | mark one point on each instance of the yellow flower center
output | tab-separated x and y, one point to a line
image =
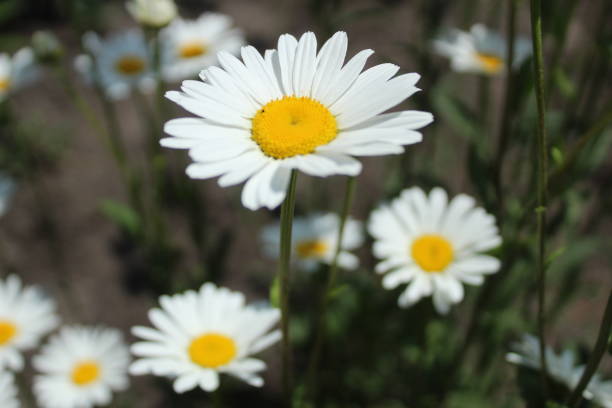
130	65
85	372
432	253
292	126
192	49
4	84
7	331
492	64
311	249
212	350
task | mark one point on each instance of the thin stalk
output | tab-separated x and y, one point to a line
483	102
315	355
536	27
84	108
284	272
119	152
598	352
504	130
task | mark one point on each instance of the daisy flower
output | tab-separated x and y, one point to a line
561	367
191	45
314	240
117	64
15	71
8	391
81	367
152	13
26	315
602	392
199	335
480	50
433	245
294	108
7	189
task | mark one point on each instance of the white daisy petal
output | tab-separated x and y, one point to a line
287	45
8	391
330	60
304	65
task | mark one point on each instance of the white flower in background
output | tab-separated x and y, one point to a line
16	71
81	367
434	245
118	64
199	335
259	118
480	50
7	189
26	315
152	13
189	46
8	391
601	392
314	240
561	367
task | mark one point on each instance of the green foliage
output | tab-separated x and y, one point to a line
126	218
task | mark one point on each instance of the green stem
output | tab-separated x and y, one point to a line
536	27
284	272
504	131
83	107
331	281
131	179
598	352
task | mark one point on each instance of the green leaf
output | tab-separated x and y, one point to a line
557	155
123	215
564	83
275	293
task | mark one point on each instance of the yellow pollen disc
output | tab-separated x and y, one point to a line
432	253
4	84
292	126
7	331
491	63
212	350
85	372
192	49
311	249
130	65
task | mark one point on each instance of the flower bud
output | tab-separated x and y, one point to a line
46	46
152	13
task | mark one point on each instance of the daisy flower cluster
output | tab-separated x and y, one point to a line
124	62
563	368
79	367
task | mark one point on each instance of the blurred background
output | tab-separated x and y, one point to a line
69	226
